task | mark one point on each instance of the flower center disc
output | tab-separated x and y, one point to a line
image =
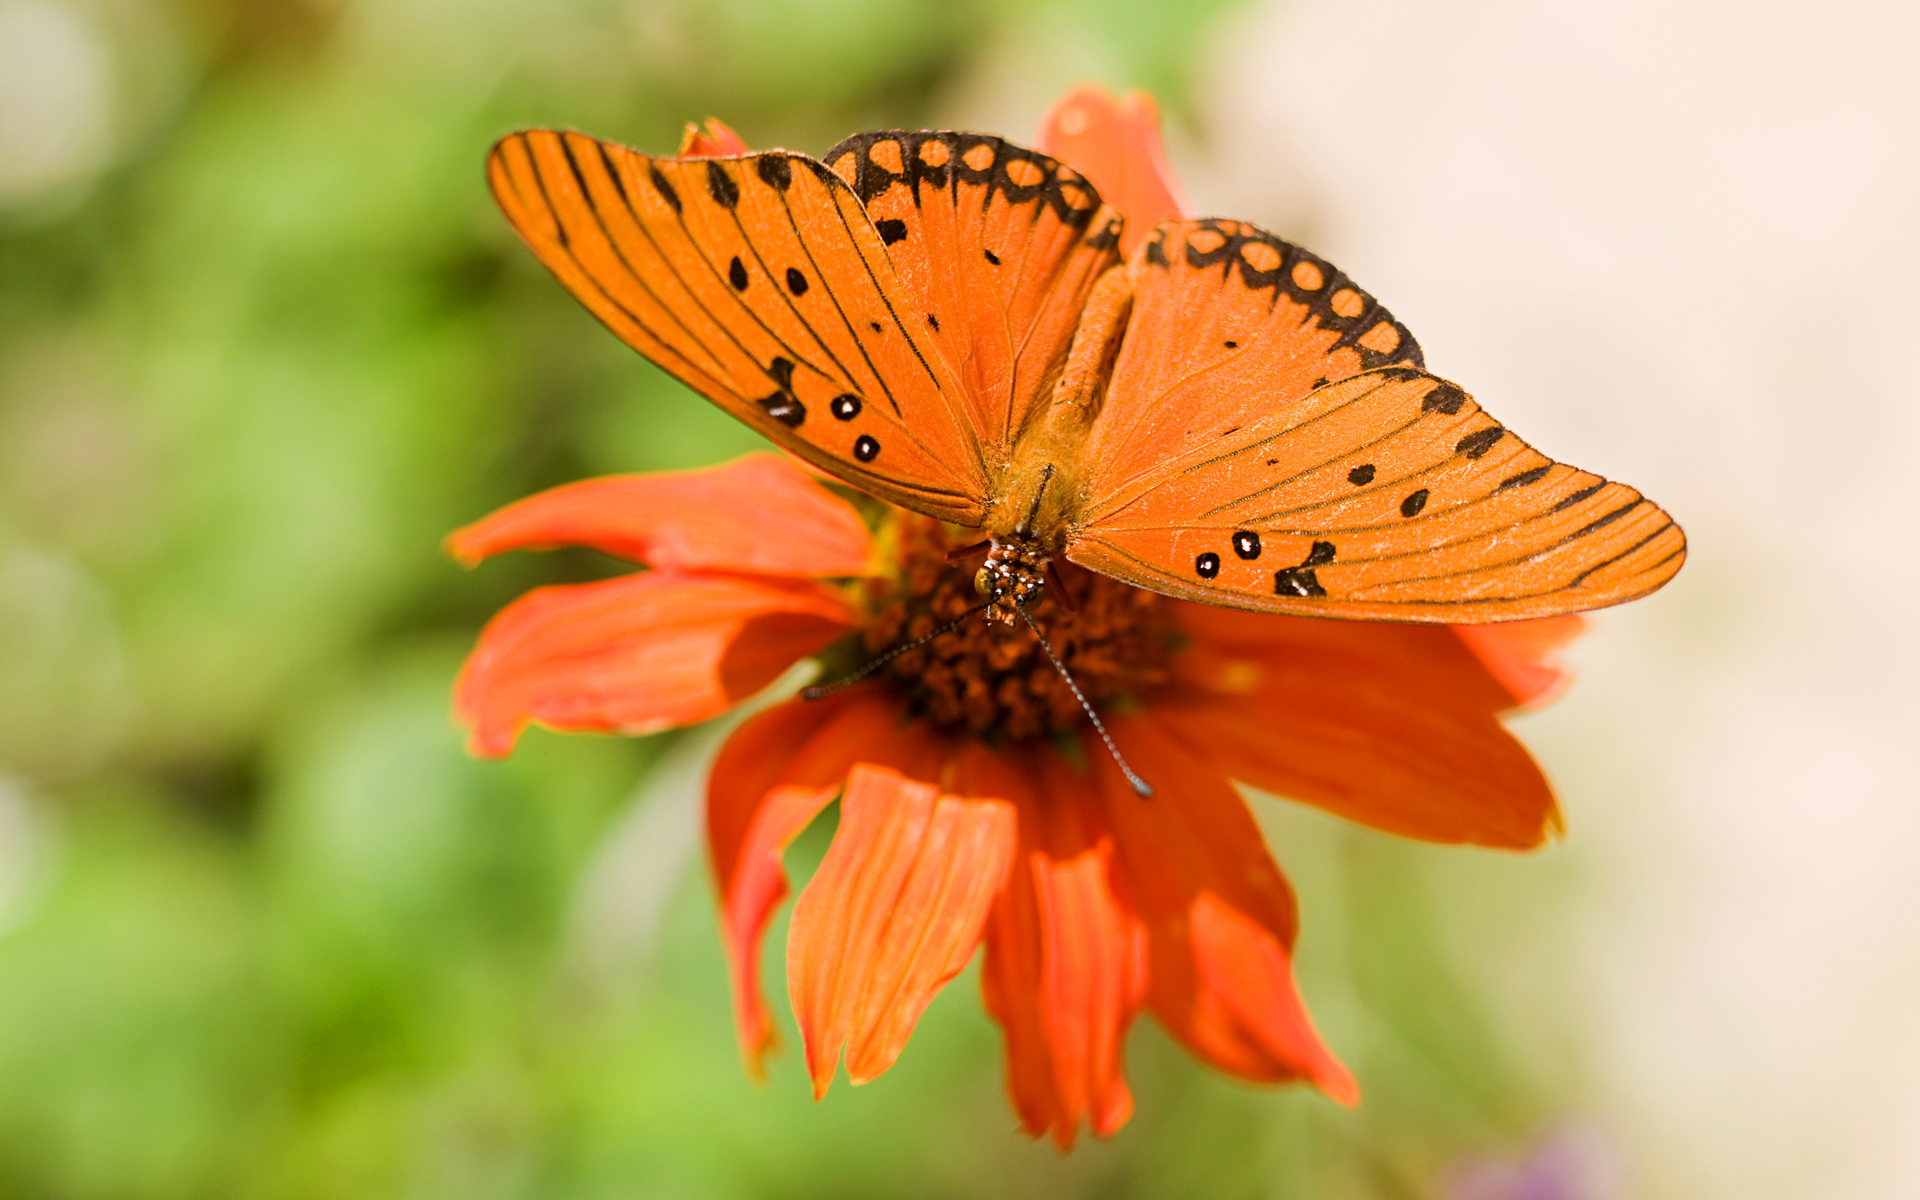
994	678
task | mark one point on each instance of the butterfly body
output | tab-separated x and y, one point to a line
944	320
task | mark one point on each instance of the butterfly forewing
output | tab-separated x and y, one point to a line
1388	495
1229	324
759	282
997	245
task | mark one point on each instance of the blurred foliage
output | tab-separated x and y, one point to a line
269	932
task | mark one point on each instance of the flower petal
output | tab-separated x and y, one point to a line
637	654
718	141
1250	971
755	514
1524	655
894	911
1116	144
1391	726
1066	964
770	779
1220	916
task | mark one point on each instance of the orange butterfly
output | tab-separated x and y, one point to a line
944	320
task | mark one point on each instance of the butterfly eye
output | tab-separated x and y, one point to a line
1246	543
983	581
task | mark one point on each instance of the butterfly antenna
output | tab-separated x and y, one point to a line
815	693
1139	785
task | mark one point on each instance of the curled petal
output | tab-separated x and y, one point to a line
717	141
755	514
770	779
1066	964
1201	878
894	911
1246	968
1524	655
1116	144
1391	726
637	654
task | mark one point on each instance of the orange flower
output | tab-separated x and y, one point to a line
977	805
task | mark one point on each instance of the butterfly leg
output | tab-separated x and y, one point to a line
1065	593
961	553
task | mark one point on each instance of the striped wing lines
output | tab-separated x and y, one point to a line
1387	496
998	246
760	282
1229	323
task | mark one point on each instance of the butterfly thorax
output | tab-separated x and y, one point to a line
1037	500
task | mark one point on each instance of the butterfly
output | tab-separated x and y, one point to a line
945	320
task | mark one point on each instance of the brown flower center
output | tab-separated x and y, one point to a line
994	678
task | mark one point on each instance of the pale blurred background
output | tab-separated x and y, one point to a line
264	931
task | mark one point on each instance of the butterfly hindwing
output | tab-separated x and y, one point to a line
998	246
1389	495
760	282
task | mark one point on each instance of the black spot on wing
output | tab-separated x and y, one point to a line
1526	477
782	407
737	274
1106	237
774	171
891	230
796	282
661	185
1479	441
1415	501
1297	581
720	185
1207	565
1300	580
865	448
1446	399
1361	475
1576	497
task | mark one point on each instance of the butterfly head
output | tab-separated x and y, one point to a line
1012	578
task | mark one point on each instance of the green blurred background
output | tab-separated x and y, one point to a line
265	930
